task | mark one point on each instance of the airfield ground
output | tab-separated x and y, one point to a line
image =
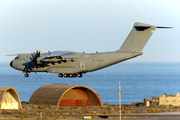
96	112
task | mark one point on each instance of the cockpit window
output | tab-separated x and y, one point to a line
17	58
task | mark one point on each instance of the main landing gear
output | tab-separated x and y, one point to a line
70	75
60	75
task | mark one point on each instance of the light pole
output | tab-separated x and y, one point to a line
119	101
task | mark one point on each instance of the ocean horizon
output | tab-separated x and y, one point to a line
138	80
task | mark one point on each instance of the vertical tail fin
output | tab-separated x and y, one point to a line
138	37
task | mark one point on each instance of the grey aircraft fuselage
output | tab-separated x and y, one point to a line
72	64
84	63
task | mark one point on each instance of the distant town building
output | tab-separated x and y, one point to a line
146	102
167	100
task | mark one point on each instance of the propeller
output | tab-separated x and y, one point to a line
34	60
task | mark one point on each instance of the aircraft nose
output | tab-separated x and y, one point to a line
11	64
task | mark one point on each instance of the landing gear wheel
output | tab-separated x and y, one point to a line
60	75
66	75
71	75
79	74
26	75
74	75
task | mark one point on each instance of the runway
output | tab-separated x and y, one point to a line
140	116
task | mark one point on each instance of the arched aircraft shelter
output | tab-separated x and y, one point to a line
9	98
65	95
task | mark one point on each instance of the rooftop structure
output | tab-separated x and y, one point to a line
167	100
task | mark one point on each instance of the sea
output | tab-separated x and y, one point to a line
138	80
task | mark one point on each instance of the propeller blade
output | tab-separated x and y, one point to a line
36	55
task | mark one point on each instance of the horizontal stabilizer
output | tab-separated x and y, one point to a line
165	27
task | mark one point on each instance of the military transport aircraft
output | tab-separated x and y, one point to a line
73	64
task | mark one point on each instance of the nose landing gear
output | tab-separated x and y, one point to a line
26	75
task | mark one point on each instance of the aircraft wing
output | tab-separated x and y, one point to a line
19	54
63	54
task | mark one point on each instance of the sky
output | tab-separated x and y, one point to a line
88	25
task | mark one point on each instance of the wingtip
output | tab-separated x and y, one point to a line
12	55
